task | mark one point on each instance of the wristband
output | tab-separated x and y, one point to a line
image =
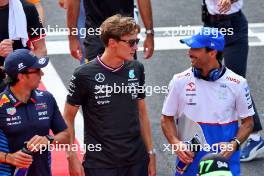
149	31
152	151
50	138
237	141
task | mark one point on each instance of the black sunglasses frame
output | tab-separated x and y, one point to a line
131	42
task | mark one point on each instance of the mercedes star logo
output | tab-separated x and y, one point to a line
99	77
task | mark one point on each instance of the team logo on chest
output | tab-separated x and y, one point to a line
41	106
11	111
131	74
39	94
99	77
190	87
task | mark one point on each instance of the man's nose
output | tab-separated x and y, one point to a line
41	73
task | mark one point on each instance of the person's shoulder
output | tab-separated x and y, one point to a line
42	93
30	11
28	6
233	78
33	1
181	79
43	97
182	76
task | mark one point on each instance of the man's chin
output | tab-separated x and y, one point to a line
130	58
193	65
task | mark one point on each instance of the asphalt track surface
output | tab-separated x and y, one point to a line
161	67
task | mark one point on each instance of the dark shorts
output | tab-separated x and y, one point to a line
139	169
93	47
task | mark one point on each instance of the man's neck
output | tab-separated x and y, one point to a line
3	3
20	93
111	61
206	70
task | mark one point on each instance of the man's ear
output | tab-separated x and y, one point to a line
20	76
213	53
112	43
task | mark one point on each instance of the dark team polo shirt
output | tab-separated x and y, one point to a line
111	119
98	10
19	122
34	26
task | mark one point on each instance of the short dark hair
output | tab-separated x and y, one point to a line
219	54
11	80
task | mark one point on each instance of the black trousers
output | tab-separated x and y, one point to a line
138	169
236	49
93	47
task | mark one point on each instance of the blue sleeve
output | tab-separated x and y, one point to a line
57	122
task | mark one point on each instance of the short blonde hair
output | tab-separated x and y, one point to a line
117	26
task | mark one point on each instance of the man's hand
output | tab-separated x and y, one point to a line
75	47
75	166
19	159
152	165
37	142
224	6
6	47
230	148
148	46
183	153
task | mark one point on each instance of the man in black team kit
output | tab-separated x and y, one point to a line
98	11
110	90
